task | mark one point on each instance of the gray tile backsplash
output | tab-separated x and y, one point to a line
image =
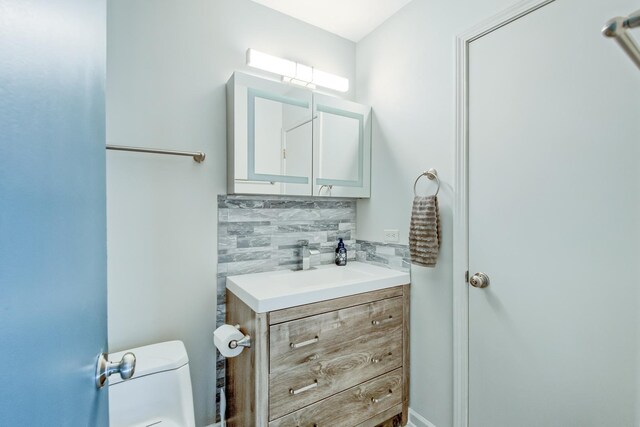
391	255
261	233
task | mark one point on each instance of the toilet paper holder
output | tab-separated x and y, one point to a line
242	342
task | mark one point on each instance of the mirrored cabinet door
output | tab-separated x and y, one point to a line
341	148
283	139
270	137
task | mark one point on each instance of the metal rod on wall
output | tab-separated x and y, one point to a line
198	156
617	28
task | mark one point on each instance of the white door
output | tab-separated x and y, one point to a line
554	221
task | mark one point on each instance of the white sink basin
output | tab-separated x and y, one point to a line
276	290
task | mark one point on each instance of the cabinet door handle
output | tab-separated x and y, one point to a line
293	392
304	343
380	399
379	322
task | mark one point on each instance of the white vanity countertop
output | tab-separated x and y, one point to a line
276	290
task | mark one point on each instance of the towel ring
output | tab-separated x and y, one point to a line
431	174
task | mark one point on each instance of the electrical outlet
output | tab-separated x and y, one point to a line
391	236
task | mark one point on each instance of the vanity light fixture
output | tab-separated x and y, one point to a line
296	73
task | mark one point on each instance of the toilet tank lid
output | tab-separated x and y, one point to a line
154	358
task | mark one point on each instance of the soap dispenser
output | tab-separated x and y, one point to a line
341	254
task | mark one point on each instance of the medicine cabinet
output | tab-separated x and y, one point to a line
287	140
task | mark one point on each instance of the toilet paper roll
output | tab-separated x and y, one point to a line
223	336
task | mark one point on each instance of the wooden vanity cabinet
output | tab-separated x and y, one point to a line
338	363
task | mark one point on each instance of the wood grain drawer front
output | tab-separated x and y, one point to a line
293	313
350	407
319	356
310	334
337	368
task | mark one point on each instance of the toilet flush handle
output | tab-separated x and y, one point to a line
104	368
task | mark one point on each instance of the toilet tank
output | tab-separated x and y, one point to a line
159	392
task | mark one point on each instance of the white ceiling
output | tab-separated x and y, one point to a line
351	19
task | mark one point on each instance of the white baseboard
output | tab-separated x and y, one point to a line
417	420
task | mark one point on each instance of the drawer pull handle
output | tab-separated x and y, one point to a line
379	359
379	322
304	343
380	399
293	392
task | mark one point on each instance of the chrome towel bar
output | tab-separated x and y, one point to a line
198	156
617	28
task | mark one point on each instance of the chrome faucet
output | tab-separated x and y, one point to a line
306	253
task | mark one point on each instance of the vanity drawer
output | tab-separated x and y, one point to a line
350	407
310	335
319	356
317	376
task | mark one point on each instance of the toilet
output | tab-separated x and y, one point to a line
159	394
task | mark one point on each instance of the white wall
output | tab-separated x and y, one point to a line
168	62
406	72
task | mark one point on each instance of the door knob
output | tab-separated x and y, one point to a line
479	280
125	367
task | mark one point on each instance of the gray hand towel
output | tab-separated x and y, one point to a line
424	231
